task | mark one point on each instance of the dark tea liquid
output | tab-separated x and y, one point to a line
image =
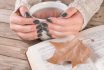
48	12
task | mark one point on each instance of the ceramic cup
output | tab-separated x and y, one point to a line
45	10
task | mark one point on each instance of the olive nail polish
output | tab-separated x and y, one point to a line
64	14
36	21
45	29
39	31
45	24
27	15
38	27
39	35
49	20
49	35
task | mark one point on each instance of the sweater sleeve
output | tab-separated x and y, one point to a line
87	8
26	3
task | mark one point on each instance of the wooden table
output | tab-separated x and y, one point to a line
12	48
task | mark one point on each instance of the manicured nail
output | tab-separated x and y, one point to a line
49	20
45	24
64	14
69	62
49	35
27	15
39	31
36	21
45	29
38	27
39	35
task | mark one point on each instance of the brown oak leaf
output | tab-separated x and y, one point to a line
74	51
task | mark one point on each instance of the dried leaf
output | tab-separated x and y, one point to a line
74	51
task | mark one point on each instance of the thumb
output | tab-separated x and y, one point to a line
69	12
24	11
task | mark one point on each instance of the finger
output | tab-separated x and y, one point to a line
64	34
53	36
21	20
64	22
77	18
23	28
28	36
58	21
64	28
69	12
23	10
74	20
56	27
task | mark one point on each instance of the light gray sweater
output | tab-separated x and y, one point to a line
87	7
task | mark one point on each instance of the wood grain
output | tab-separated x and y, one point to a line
13	51
14	48
5	15
7	4
5	31
9	63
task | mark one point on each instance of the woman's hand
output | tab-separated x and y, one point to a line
23	26
70	24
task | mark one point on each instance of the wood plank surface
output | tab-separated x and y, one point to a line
5	31
7	4
9	63
5	15
12	51
14	48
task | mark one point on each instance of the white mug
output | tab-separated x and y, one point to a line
48	4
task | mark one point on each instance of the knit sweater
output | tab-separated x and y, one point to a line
86	7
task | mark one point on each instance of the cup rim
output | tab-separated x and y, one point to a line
47	4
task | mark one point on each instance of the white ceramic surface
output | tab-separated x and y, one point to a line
52	4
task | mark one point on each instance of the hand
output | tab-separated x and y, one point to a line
23	26
70	24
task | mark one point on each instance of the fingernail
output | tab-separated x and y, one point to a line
69	62
45	24
38	27
39	35
49	20
64	14
36	21
27	15
49	35
45	29
39	31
